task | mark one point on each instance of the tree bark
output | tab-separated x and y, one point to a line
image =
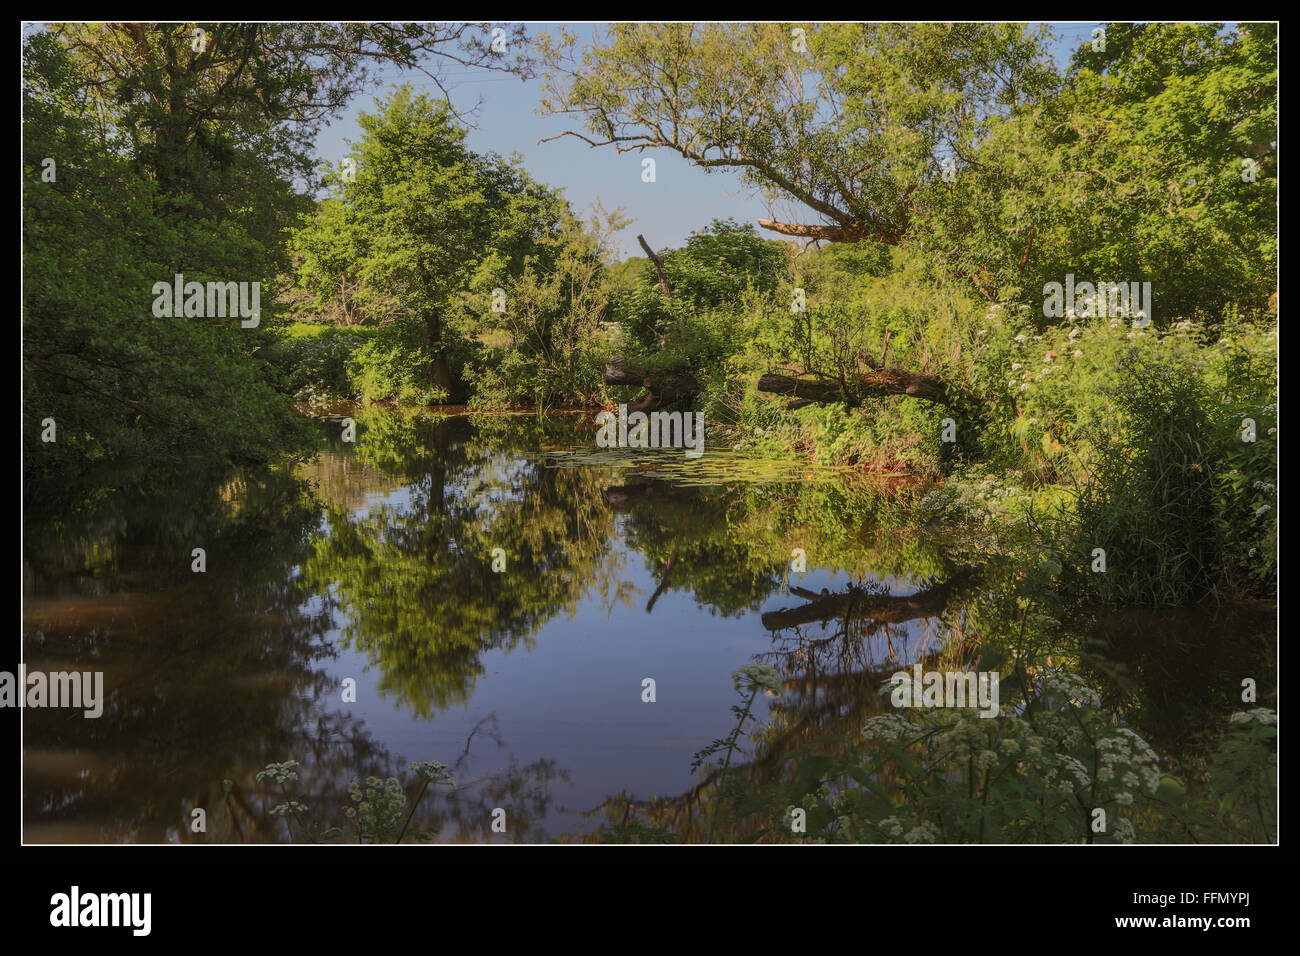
441	374
853	231
658	393
877	382
659	265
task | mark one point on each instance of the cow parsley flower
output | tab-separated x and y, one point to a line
925	833
432	771
761	675
279	772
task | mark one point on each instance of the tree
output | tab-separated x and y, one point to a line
551	322
427	220
673	338
185	99
177	148
415	582
135	397
853	125
859	125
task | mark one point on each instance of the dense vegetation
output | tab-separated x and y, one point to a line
960	174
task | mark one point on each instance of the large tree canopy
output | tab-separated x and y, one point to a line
1151	158
156	149
854	121
218	112
423	220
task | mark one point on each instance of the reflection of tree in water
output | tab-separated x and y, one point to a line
414	578
200	670
206	676
689	545
729	546
341	752
522	791
218	674
833	678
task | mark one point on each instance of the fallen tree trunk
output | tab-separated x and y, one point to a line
877	382
650	493
859	604
658	392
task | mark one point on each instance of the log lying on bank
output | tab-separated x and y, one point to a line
877	382
859	604
658	392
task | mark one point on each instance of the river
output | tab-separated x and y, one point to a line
557	623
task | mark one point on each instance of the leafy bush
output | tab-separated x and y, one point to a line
1173	485
549	342
394	365
1054	766
315	359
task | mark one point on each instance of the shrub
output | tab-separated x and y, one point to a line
314	359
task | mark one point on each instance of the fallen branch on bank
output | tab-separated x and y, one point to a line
658	392
872	384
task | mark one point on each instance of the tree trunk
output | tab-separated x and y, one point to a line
441	374
657	394
659	265
881	381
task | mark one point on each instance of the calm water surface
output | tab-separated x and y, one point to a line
378	563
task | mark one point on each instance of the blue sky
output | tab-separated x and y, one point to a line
683	198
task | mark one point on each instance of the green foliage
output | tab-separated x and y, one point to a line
1154	161
315	358
721	262
851	127
328	254
721	271
551	338
1150	501
1174	489
414	580
423	221
1054	766
136	398
749	680
394	364
379	813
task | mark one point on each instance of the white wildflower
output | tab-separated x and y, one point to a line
758	674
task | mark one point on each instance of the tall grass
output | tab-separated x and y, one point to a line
1150	500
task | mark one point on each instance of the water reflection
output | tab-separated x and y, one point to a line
412	572
498	593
